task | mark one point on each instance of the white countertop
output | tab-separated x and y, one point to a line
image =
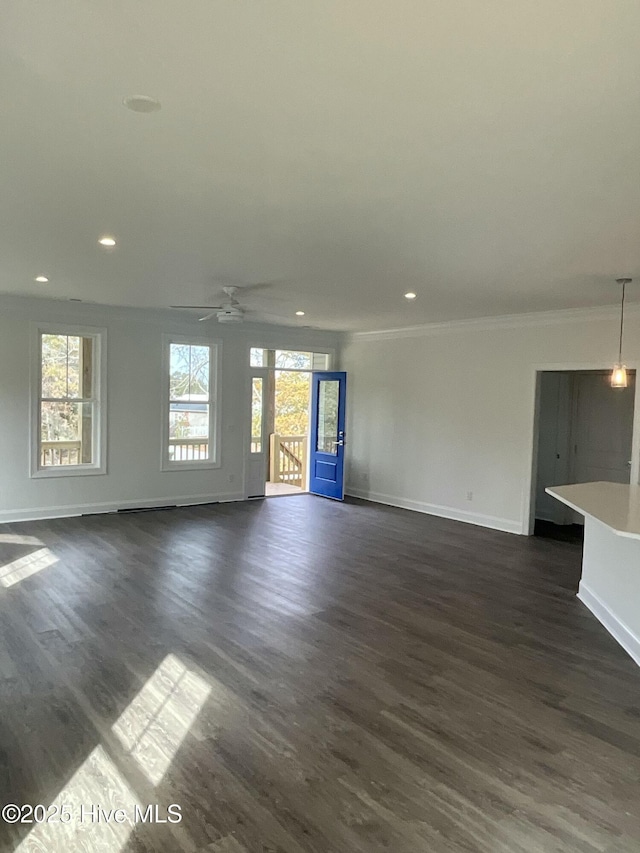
615	504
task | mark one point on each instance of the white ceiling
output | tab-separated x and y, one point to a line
484	154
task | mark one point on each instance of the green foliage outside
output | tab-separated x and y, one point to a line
292	402
61	378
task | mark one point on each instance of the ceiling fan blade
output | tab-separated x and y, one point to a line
258	285
202	307
208	316
256	314
262	298
243	284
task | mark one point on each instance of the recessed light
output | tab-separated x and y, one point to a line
42	279
107	241
410	295
142	104
299	313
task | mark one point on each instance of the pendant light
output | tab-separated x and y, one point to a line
619	372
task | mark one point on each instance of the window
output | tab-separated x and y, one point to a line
257	387
328	402
257	357
68	409
288	359
293	360
190	417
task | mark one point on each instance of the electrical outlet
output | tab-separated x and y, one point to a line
469	496
231	478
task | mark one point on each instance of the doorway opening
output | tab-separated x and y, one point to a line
584	434
280	420
289	442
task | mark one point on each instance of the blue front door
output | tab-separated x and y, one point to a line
328	408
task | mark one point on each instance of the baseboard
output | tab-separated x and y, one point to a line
507	525
618	630
36	513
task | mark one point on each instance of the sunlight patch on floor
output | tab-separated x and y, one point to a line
157	720
272	489
17	570
15	539
96	781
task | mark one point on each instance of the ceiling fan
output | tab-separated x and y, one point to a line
230	310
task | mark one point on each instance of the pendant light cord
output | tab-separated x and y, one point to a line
624	284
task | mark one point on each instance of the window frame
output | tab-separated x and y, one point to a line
98	400
330	352
215	409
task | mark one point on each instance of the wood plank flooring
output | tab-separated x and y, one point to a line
303	676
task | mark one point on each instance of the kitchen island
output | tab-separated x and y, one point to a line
610	581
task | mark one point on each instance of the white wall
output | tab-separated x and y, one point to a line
437	412
134	345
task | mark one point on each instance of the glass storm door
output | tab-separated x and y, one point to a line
328	408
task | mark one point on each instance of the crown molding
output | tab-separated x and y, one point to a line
504	321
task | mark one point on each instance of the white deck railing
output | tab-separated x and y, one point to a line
188	449
288	459
60	453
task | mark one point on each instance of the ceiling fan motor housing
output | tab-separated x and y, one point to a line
230	314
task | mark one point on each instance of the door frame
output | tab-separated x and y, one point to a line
260	343
528	510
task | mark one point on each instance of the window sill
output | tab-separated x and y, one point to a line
67	471
190	466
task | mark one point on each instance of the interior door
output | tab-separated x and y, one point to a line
554	428
327	438
603	429
257	452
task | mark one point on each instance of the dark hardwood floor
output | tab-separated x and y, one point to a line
303	675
